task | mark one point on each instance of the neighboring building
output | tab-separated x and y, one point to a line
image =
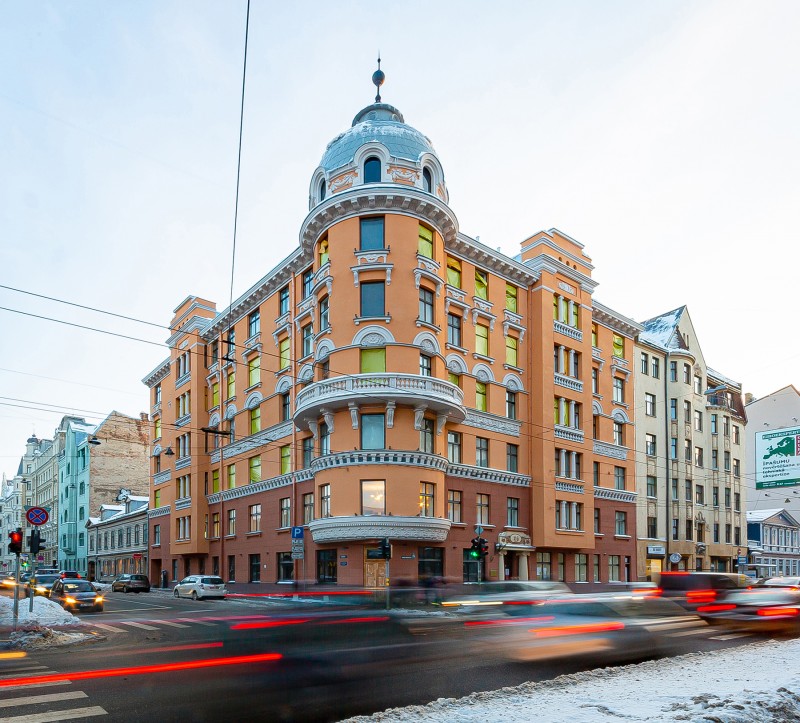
774	412
690	453
118	538
13	498
393	377
773	541
96	461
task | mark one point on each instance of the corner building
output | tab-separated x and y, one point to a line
392	377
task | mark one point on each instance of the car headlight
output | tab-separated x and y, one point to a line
99	599
70	600
39	588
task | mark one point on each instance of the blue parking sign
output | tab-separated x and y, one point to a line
297	533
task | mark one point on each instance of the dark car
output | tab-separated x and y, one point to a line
40	584
70	574
762	608
75	595
695	589
131	583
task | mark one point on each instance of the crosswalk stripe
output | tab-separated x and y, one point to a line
47	698
682	633
45	684
110	628
137	625
21	668
730	636
57	715
170	623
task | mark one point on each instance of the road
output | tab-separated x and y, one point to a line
155	656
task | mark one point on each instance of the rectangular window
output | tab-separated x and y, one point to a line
698	456
619	478
596	566
308	507
737	502
286	512
480	396
726	457
512	458
512	512
454	330
425	305
254	467
231	523
687	450
619	346
255	518
253	324
231	390
308	451
214	480
619	434
425	365
373	360
698	420
511	297
372	233
727	497
511	351
713	424
652	528
620	523
619	390
581	563
481	452
454	272
645	363
481	284
324	439
596	474
324	313
699	494
673	409
307	340
231	476
286	459
715	496
254	369
308	283
736	468
673	448
595	381
651	486
596	520
454	506
650	444
650	404
688	490
675	527
687	374
736	438
543	566
656	371
613	568
698	384
511	405
482	340
373	497
373	298
425	242
482	509
673	371
714	459
325	500
215	394
373	431
283	302
426	436
454	447
255	420
426	499
687	412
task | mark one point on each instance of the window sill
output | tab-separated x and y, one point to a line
156	546
622	537
599	534
257	385
230	537
360	319
515	527
456	348
511	367
283	529
458	524
566	531
255	533
429	325
489	359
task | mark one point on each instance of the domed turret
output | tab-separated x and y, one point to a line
379	147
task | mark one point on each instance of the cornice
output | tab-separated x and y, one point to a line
616	321
480	254
545	263
159	373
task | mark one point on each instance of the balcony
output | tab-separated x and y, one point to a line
574	487
606	449
357	528
489	474
606	493
566	330
379	456
437	396
571	434
568	382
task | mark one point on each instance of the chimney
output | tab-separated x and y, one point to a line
144	416
748	398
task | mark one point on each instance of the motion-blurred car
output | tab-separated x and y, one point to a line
74	595
757	609
518	591
131	583
8	581
694	589
40	584
72	574
611	625
792	583
199	587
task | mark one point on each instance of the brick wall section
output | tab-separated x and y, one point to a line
120	461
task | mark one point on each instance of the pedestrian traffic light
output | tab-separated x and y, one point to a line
386	548
475	550
34	541
15	541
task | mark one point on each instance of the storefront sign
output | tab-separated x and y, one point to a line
656	550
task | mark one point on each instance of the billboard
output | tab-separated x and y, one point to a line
778	458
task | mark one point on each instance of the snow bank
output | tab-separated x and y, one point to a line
45	612
758	683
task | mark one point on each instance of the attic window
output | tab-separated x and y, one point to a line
427	180
372	170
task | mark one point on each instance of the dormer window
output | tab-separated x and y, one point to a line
427	180
372	170
322	190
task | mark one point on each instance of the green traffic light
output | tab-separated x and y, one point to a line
474	553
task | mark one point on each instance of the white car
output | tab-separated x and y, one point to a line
198	587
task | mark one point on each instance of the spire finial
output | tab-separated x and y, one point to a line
377	78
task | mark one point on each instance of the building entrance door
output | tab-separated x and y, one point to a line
375	573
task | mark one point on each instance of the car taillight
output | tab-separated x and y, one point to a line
773	612
701	596
715	608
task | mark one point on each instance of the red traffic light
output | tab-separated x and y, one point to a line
15	541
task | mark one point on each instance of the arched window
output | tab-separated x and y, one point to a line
322	190
372	170
427	180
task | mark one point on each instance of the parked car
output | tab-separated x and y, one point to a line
70	574
199	587
73	594
131	583
762	608
41	584
694	589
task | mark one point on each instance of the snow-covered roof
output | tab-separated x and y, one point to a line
725	380
660	330
761	515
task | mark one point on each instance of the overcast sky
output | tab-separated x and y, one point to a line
663	136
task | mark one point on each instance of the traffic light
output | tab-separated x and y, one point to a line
484	547
15	541
475	550
35	541
386	548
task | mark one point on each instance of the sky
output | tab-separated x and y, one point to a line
662	136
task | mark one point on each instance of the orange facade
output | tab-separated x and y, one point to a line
393	378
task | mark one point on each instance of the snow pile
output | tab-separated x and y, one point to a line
45	612
751	684
35	637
